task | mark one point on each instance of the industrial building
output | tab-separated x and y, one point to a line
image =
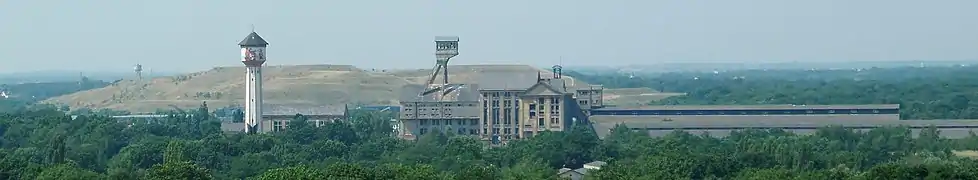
278	118
502	106
720	121
505	106
753	112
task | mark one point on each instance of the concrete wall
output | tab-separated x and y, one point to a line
500	111
418	118
411	129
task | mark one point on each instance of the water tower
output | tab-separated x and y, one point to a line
253	57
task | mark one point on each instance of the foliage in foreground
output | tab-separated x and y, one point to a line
49	145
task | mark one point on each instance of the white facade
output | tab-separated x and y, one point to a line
253	58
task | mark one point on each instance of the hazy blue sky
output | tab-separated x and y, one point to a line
190	35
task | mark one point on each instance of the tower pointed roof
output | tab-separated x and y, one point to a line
253	39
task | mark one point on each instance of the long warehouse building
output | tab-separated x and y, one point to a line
803	119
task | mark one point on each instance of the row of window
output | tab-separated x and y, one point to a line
438	122
439	105
744	112
461	131
427	115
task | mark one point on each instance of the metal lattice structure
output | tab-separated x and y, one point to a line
446	48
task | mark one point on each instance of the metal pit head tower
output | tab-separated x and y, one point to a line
139	71
446	47
253	57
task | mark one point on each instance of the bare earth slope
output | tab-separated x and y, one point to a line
289	86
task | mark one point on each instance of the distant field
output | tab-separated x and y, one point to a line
303	85
635	96
966	153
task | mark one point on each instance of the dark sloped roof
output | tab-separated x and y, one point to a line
253	39
558	84
550	85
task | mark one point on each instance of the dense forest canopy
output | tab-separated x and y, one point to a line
46	144
923	93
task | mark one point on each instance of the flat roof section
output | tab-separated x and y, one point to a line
770	121
603	124
754	107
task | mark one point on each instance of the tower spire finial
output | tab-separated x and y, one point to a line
252	27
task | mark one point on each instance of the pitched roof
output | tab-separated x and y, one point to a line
253	39
544	84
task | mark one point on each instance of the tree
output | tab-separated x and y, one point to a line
56	154
176	166
292	173
184	170
67	172
528	169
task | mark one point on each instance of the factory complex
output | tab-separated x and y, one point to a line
505	106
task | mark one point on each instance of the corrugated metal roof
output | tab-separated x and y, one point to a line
756	107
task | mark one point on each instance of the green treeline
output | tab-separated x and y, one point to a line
45	144
923	93
22	96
